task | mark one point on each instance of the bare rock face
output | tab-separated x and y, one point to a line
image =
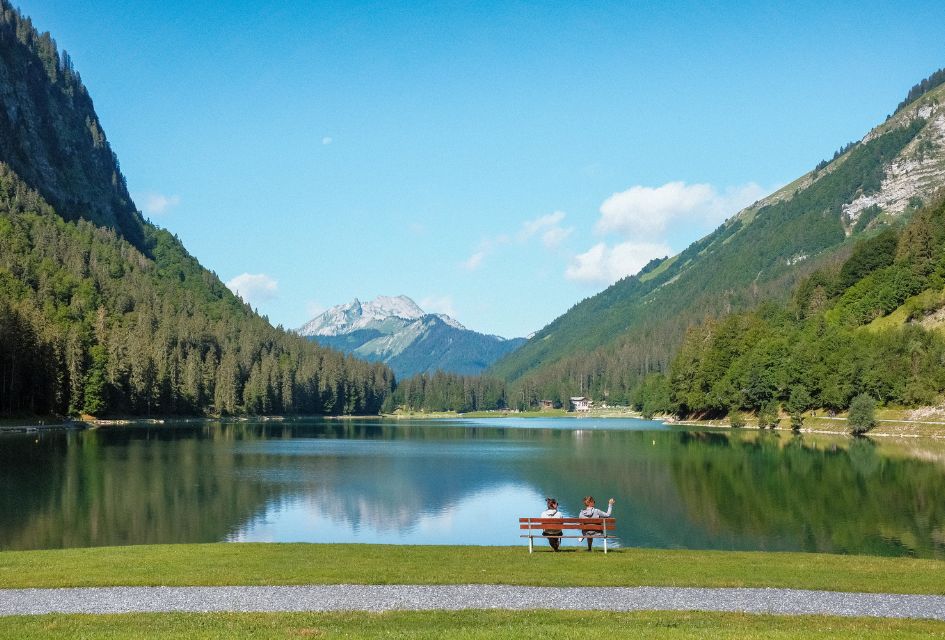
915	175
50	135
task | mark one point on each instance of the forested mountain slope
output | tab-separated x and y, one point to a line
103	313
873	325
606	344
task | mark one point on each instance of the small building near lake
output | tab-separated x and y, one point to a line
581	403
546	405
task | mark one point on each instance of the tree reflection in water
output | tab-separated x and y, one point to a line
329	480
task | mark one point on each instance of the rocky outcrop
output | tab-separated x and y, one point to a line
50	135
913	177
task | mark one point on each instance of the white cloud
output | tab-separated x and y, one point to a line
553	237
531	227
602	264
156	203
438	304
646	211
548	226
254	288
474	261
327	140
485	247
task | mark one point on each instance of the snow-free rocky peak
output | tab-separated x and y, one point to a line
395	330
356	315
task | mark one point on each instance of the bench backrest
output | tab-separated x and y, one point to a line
584	524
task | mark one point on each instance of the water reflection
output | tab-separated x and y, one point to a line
462	482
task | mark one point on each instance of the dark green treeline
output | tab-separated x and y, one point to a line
448	392
90	324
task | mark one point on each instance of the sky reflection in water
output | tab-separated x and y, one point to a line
467	482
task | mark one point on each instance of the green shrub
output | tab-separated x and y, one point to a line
862	414
768	415
798	402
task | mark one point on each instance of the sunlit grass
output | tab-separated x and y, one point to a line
462	624
274	564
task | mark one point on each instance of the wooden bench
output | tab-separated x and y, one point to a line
602	528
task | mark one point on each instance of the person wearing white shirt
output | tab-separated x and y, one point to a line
552	512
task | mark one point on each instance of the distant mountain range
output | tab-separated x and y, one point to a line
395	330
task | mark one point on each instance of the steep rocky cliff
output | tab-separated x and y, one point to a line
50	135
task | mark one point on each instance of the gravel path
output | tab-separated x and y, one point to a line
453	597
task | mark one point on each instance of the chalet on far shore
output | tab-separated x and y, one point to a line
581	403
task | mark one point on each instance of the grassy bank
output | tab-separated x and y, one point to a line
273	564
463	624
892	422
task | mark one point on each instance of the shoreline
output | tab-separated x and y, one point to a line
889	425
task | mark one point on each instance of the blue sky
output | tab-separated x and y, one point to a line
495	161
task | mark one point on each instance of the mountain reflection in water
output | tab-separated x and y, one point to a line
467	482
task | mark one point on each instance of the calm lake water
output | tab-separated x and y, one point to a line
467	482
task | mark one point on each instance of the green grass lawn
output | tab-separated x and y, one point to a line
463	624
273	564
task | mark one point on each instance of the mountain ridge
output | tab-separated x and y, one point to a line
608	342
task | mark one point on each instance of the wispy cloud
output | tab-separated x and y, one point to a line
548	228
327	140
438	304
474	261
254	288
485	247
533	226
314	309
552	238
157	203
602	264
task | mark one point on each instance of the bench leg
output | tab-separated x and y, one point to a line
605	545
530	544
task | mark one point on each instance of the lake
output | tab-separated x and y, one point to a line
467	482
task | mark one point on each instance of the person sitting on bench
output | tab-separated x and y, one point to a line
552	512
590	511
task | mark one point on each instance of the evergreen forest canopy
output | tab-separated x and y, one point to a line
923	87
104	313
